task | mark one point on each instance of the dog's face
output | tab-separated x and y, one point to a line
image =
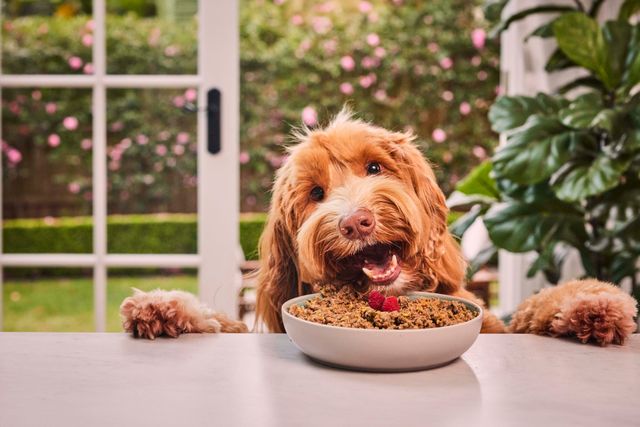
356	205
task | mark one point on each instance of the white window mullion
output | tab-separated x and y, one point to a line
99	106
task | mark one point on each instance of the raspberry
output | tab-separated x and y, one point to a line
376	299
390	304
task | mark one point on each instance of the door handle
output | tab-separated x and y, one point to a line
213	120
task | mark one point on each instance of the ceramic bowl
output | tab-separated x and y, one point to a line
382	349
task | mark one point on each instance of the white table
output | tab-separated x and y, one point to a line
244	380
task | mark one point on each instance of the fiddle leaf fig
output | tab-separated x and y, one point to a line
580	180
535	152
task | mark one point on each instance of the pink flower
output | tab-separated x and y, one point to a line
178	150
125	143
86	144
398	2
447	95
15	108
142	139
87	40
321	24
164	135
479	152
380	52
74	187
297	20
347	63
365	7
368	80
117	126
346	88
115	153
278	2
244	157
380	94
446	63
478	38
309	116
190	95
36	95
476	60
433	47
51	107
439	135
14	156
154	37
369	62
161	149
148	179
75	63
330	46
171	50
179	101
88	68
465	108
70	123
373	39
482	75
90	25
53	140
182	138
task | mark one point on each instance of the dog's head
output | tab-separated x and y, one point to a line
356	205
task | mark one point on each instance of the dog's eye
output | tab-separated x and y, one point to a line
316	194
374	168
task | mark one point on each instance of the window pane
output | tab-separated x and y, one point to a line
46	170
122	280
47	37
151	171
147	37
48	300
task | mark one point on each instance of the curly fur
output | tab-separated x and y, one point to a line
586	309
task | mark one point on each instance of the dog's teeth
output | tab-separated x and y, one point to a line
394	262
368	272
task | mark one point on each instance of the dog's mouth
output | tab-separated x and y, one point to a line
378	264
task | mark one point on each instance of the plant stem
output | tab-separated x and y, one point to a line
580	6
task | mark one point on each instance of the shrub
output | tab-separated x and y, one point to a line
419	65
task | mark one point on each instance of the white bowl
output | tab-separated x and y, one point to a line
382	349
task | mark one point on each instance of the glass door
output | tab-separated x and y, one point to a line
119	157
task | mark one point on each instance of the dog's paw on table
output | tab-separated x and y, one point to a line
590	310
171	313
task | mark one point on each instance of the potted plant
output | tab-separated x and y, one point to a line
569	173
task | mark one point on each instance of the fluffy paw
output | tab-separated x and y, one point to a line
604	318
152	314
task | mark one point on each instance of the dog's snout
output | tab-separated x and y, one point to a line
357	225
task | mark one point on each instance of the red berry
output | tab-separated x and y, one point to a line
390	304
376	299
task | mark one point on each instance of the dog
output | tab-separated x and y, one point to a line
358	205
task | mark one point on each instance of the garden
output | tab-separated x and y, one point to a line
300	62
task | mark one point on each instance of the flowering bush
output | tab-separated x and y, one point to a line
419	65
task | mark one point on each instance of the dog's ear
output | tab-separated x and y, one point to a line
278	278
443	254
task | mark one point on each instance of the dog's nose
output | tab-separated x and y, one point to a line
357	225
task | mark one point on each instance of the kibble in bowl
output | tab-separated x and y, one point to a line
426	330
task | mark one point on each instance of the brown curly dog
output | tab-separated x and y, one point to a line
359	205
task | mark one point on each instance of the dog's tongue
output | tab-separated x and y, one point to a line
381	270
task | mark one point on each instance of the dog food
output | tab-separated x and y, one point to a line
344	307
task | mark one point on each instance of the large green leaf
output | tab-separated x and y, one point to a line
462	224
581	112
535	152
602	52
631	75
510	112
540	193
479	181
522	227
549	8
578	180
558	61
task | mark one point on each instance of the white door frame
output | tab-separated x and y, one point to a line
218	175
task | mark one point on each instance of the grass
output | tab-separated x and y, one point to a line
66	305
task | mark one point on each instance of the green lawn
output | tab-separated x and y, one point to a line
66	305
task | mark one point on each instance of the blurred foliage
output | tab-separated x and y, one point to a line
420	65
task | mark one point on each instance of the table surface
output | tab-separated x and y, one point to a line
228	380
